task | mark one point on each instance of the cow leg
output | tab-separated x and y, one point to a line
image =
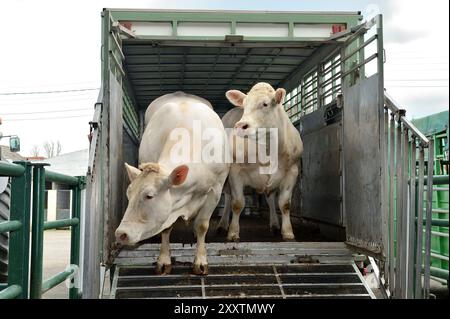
201	226
237	205
274	223
164	264
225	220
284	202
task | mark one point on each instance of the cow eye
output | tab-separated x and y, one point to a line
265	104
148	196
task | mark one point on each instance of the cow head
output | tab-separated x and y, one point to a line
149	201
261	108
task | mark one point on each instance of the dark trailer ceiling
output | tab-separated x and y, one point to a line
207	71
209	52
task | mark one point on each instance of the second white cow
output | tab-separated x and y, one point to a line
166	187
261	108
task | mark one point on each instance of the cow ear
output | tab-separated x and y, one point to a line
178	175
133	172
236	97
279	95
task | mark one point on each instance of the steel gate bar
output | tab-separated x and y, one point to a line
399	253
18	227
412	219
404	219
37	236
392	261
430	166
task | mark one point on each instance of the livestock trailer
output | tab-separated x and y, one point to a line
358	191
363	177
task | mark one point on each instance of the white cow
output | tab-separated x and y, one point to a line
163	189
261	108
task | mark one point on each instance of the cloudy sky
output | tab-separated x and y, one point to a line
55	46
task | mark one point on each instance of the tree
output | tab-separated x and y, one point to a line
58	148
52	149
35	151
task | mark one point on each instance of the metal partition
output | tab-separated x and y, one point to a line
363	161
320	190
410	186
25	272
364	202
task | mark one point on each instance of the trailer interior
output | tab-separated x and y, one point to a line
323	60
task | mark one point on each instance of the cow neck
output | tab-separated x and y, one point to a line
280	121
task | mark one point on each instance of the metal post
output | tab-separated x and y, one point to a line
19	241
412	220
384	271
37	233
428	219
399	210
319	86
391	206
404	219
75	237
420	185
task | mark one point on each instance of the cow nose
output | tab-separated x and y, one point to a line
121	237
241	125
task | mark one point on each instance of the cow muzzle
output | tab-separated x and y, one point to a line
243	129
122	237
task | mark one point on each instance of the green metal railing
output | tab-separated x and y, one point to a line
18	227
27	177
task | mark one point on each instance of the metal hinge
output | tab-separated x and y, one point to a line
120	29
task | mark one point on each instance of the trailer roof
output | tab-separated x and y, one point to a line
232	11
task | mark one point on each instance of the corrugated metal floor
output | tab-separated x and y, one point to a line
243	270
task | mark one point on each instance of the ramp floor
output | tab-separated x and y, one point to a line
243	270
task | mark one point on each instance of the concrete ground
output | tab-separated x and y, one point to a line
56	259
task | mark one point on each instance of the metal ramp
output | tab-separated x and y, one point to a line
243	270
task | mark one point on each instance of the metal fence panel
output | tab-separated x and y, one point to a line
362	169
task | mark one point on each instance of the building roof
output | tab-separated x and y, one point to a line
36	158
73	163
10	156
432	124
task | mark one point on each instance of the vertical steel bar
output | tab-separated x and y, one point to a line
412	219
37	233
392	205
399	210
75	239
385	188
428	217
404	219
19	241
419	244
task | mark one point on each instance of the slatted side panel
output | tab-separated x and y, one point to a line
319	87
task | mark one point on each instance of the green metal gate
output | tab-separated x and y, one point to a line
26	222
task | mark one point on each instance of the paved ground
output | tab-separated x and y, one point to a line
56	259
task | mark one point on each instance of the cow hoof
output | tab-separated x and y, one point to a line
289	237
163	269
200	269
275	230
221	230
234	237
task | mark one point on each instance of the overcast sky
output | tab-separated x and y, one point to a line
55	45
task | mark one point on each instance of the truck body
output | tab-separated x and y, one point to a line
355	140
